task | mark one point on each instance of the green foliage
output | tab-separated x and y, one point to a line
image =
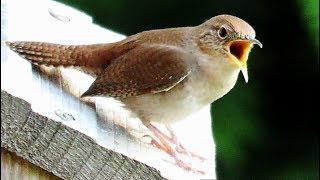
310	18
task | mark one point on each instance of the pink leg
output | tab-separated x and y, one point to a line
179	147
164	144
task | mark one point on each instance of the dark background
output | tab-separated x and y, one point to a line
265	129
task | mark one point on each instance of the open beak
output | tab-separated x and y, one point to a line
239	50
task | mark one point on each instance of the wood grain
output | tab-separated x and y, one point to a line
14	167
61	150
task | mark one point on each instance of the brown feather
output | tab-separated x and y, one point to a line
91	58
145	69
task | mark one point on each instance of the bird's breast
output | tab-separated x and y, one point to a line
200	88
208	87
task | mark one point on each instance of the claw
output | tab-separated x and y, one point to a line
165	144
186	166
180	148
155	143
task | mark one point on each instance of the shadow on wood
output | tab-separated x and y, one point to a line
14	167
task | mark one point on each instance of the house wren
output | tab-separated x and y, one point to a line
160	75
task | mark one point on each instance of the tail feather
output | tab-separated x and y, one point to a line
91	56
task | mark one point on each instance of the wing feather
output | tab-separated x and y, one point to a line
144	69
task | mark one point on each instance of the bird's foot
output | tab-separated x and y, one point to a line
172	139
172	147
181	148
170	151
187	166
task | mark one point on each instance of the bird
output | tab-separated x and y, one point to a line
161	75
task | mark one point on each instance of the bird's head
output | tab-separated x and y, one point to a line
229	37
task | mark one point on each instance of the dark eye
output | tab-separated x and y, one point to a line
222	32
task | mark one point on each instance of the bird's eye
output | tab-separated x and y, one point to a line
222	32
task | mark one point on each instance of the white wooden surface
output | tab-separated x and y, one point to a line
54	93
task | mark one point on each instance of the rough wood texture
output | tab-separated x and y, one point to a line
61	150
15	168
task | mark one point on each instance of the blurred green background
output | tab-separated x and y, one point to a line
265	129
